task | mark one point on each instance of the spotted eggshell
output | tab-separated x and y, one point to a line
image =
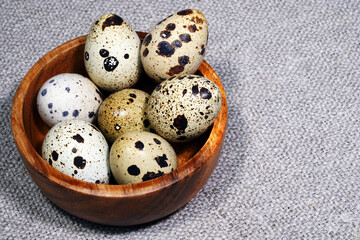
140	156
183	107
78	149
175	46
122	112
111	54
68	96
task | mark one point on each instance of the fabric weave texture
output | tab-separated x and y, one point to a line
290	165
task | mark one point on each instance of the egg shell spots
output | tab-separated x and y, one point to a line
141	156
184	107
178	36
111	54
68	96
122	112
78	149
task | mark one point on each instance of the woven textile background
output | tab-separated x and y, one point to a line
290	165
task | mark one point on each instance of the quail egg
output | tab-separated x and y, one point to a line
68	96
183	107
175	46
140	156
78	149
122	112
111	54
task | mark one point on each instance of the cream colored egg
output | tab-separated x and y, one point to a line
140	156
123	111
184	107
175	45
111	55
77	148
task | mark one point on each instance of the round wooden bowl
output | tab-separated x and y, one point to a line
119	205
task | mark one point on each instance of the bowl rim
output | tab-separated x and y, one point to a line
29	154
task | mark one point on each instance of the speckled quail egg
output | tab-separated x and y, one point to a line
111	54
175	46
183	107
68	96
122	112
77	148
140	156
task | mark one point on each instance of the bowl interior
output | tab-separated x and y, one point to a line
69	59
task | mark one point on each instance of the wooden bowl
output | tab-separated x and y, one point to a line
119	205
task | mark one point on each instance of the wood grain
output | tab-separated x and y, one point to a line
119	205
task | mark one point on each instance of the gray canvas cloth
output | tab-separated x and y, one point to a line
290	165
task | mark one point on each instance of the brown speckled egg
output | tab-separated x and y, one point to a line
111	54
122	112
183	107
175	46
77	148
140	156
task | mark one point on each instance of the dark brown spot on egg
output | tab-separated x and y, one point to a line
104	53
133	170
205	93
183	60
74	150
180	122
86	56
50	162
175	70
139	145
54	155
132	95
185	38
147	39
79	162
197	20
165	34
145	52
158	87
161	160
165	49
126	56
170	26
157	141
146	123
185	12
113	20
110	64
152	175
91	114
97	181
192	28
202	50
176	44
78	138
195	90
184	92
